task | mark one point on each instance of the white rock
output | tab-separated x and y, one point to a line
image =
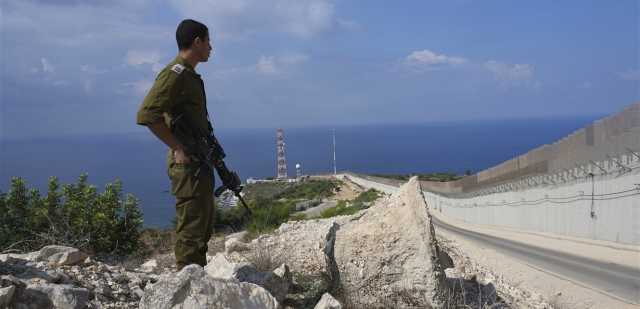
13	257
235	244
59	255
192	288
149	266
219	267
45	295
328	302
393	244
68	258
6	295
276	282
239	236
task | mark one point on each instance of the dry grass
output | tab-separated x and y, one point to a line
263	259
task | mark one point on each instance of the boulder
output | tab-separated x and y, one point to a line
60	255
219	267
299	244
6	296
389	253
328	302
193	288
277	282
46	295
9	280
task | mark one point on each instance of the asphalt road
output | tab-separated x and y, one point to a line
620	281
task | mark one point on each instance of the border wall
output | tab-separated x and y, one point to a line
585	185
608	137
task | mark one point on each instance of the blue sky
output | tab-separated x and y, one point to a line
83	67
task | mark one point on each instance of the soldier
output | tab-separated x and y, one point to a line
179	89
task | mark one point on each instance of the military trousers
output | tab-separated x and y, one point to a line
194	212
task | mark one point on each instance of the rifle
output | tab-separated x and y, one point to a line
208	151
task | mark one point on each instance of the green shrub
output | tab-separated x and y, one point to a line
312	189
442	177
344	208
341	209
367	196
74	215
268	214
273	204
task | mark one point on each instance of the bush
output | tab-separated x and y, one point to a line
312	189
344	208
74	215
268	214
367	196
341	209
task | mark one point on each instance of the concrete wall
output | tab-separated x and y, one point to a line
610	136
564	208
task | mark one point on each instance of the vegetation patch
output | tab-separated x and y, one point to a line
349	207
273	204
310	189
441	177
75	215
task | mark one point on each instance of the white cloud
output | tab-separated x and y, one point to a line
630	75
239	18
266	65
509	72
94	24
276	65
427	58
139	57
47	67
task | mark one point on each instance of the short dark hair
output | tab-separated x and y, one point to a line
188	30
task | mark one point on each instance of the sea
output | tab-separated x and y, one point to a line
139	159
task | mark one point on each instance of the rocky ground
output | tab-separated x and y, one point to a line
386	256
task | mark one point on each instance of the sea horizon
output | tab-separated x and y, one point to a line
138	159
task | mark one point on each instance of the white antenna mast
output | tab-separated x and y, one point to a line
335	170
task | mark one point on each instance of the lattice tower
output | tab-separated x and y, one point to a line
282	162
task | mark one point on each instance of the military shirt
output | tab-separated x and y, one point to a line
177	89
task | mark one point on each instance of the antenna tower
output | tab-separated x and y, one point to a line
335	168
282	162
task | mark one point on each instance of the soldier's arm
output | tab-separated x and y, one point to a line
161	98
162	132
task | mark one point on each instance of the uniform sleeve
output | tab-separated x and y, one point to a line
161	98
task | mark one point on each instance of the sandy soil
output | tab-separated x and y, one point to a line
349	190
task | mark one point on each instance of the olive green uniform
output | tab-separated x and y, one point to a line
179	89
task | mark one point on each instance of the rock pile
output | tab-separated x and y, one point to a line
65	277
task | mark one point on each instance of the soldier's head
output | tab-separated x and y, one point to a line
193	38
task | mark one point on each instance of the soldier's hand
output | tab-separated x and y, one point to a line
235	183
180	156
